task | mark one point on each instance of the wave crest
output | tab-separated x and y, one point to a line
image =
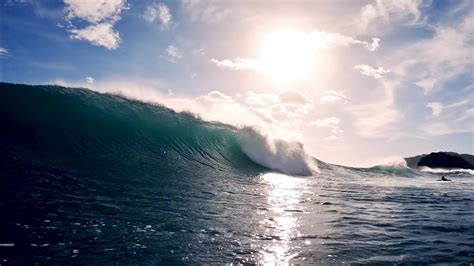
287	157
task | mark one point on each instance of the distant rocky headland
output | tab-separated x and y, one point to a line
447	160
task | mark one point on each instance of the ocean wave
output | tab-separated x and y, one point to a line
86	130
395	167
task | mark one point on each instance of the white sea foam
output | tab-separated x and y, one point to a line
287	157
445	171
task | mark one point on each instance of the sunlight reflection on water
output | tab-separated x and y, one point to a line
284	193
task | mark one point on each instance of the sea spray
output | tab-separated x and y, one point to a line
287	157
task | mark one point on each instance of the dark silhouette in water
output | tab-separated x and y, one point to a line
444	179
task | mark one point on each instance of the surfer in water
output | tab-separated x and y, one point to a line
444	179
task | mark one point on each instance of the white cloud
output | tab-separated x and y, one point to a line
329	40
377	118
331	96
456	117
316	40
446	55
3	52
94	11
374	45
256	99
151	13
101	17
381	13
467	114
89	80
426	84
284	108
460	103
206	11
173	53
216	97
367	70
326	122
454	109
293	97
160	11
436	108
198	51
98	34
330	122
237	64
445	128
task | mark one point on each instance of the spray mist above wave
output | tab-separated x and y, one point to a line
287	157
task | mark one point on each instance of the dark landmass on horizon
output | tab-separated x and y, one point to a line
447	160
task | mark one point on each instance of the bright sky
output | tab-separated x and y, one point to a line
358	82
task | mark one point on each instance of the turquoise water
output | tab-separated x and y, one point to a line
89	178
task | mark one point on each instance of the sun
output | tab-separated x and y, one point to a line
287	56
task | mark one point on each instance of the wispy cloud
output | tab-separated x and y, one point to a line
57	66
436	108
90	79
467	114
3	52
216	96
367	70
386	13
330	40
206	11
457	117
444	128
330	122
237	64
377	118
158	11
285	108
173	53
331	96
316	40
432	61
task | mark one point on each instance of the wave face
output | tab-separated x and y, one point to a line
397	167
96	133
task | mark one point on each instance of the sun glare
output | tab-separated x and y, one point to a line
287	56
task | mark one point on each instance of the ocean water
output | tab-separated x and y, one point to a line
88	178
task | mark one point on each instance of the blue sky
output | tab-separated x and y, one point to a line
358	82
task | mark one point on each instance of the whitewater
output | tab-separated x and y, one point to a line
91	178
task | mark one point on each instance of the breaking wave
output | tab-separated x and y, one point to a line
88	131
